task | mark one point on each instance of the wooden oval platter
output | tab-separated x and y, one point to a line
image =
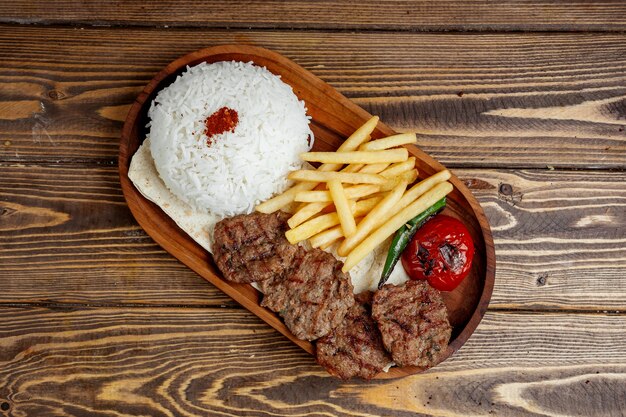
334	118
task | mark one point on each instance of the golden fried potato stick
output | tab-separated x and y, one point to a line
357	157
345	177
397	169
389	142
354	192
342	205
379	214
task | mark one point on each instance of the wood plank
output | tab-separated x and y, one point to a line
560	237
66	233
198	362
67	236
476	100
424	15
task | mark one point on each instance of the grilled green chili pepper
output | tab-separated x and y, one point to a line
403	237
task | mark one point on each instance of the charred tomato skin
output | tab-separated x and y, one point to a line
441	252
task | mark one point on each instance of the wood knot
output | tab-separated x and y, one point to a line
19	217
506	189
542	280
56	95
6	211
508	194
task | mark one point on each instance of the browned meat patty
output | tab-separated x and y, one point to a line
313	297
413	322
355	347
252	247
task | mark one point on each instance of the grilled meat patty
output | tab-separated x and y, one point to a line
413	321
313	296
253	247
355	347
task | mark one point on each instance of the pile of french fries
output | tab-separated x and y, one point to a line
358	196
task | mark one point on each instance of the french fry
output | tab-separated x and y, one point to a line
399	168
325	239
353	168
332	209
327	236
314	196
364	206
281	200
368	203
290	208
357	157
408	176
380	195
308	229
345	177
374	168
360	136
312	227
306	213
389	142
421	187
354	192
356	139
348	225
359	191
379	214
387	229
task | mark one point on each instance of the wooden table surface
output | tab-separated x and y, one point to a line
524	100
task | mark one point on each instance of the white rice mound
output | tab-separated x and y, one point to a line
240	168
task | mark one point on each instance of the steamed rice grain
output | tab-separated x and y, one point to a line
240	168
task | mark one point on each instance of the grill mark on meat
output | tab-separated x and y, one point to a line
234	233
413	321
262	228
361	343
259	256
312	297
354	348
406	328
298	273
252	247
325	297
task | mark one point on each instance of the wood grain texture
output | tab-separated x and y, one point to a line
424	15
559	240
509	100
560	237
66	234
199	362
476	100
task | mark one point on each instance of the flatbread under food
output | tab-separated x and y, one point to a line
143	174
